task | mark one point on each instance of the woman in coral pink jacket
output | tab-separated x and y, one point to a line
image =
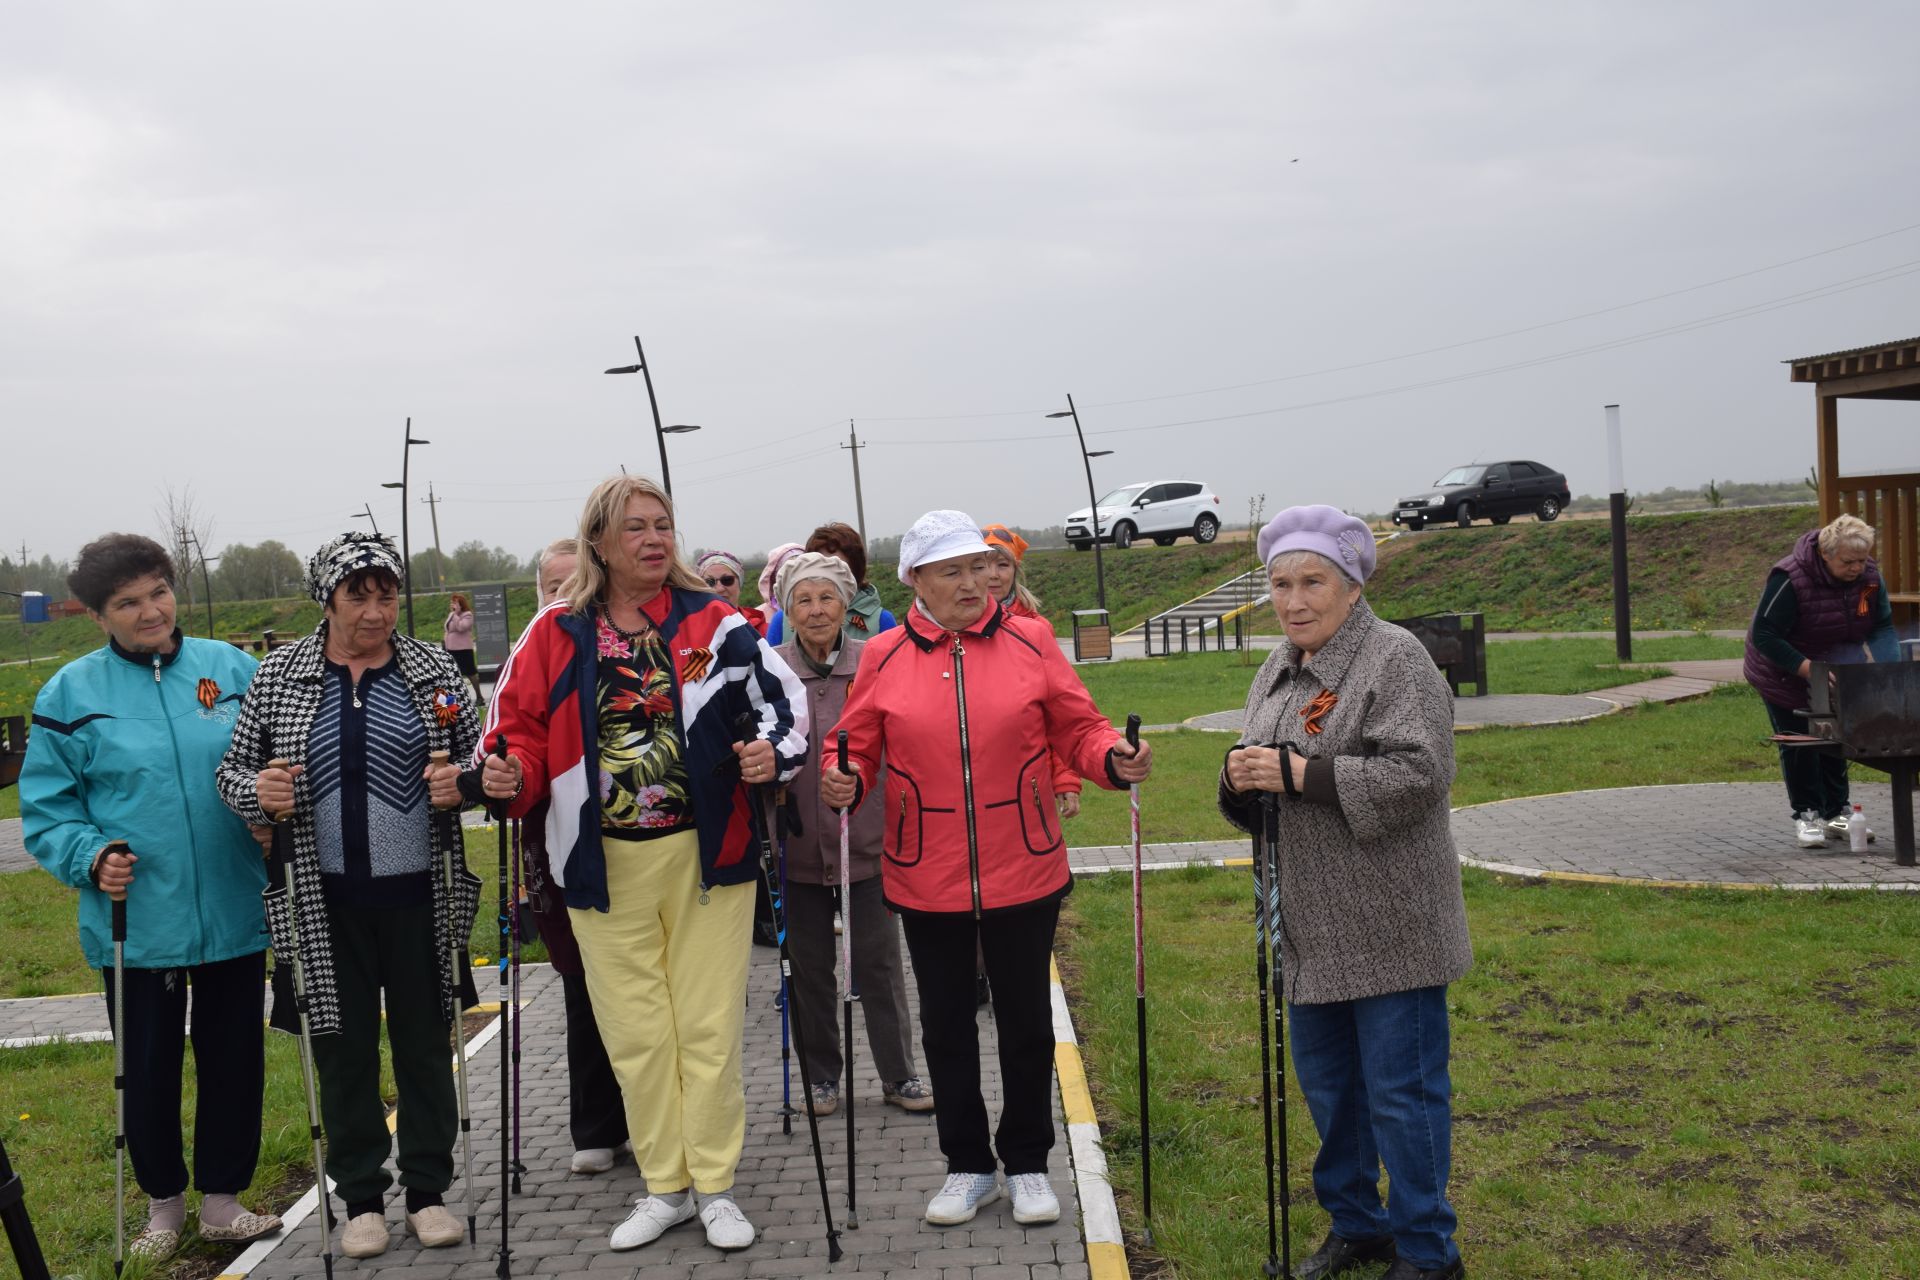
967	703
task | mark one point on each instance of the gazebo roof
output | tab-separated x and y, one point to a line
1855	361
1900	359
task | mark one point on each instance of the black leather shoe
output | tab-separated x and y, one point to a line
1336	1255
1404	1270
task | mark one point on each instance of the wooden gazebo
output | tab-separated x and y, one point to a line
1890	503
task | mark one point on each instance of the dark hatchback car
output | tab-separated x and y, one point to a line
1496	491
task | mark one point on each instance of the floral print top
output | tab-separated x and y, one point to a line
643	775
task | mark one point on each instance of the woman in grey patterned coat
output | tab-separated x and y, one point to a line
357	708
1349	736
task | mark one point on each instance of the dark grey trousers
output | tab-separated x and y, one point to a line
877	975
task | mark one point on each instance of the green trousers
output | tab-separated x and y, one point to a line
390	948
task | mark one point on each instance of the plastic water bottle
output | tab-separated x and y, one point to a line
1857	830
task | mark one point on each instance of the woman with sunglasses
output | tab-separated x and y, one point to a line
724	574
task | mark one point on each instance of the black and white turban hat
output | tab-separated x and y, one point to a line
347	555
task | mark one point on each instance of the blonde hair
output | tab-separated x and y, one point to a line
605	508
1844	532
568	546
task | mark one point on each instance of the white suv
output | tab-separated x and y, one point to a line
1159	509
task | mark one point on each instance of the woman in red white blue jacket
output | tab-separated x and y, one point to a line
968	705
619	706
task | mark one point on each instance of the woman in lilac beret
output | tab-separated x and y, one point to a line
1349	737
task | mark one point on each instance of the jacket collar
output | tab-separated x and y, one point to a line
147	659
309	659
926	633
1329	665
845	662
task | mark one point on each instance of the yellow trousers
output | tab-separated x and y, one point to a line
667	974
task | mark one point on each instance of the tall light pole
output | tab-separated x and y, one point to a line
1617	516
660	433
1093	501
367	515
433	509
406	552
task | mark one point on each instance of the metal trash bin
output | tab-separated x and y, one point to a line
1092	635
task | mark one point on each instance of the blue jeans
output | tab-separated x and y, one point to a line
1374	1073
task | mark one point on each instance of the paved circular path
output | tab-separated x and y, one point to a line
1472	713
1735	833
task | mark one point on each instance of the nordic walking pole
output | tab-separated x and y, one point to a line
283	854
498	810
119	1066
757	819
1140	989
1271	804
458	962
786	1037
1260	918
513	932
847	996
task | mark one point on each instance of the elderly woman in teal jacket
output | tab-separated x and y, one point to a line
123	748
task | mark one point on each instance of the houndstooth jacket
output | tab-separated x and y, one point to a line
274	721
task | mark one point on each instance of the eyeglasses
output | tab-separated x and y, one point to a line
724	580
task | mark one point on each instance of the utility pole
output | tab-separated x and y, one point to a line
433	507
859	504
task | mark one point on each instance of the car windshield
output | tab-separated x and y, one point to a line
1121	497
1462	475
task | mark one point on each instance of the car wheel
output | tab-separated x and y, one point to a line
1083	546
1464	515
1164	539
1206	528
1122	536
1501	519
1549	509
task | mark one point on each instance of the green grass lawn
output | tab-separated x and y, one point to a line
40	946
58	1127
1647	1083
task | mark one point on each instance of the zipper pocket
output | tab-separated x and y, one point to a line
1040	808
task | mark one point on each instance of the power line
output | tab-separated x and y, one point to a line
1832	289
1425	351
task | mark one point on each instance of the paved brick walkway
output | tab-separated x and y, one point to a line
1731	833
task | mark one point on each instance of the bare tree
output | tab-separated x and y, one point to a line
187	531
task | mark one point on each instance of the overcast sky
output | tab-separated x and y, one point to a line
240	243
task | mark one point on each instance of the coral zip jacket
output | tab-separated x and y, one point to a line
965	721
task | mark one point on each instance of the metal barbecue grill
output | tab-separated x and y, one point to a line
1870	712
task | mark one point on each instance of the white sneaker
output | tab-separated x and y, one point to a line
1810	831
960	1197
650	1219
727	1227
1033	1198
1838	829
590	1160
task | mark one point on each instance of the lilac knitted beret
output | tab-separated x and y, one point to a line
1330	531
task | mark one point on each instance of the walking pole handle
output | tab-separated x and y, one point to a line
499	807
119	897
842	747
1133	732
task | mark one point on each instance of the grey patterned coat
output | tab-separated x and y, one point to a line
274	721
1370	895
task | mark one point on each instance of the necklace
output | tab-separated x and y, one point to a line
638	635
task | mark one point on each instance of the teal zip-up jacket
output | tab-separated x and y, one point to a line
124	746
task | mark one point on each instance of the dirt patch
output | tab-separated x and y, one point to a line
1839	994
1817	1240
1587	1147
1683	1248
1892	1050
1199	1090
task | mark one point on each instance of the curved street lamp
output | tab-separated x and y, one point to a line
660	433
1093	502
406	551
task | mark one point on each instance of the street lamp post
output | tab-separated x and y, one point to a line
660	433
1093	501
367	515
406	550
